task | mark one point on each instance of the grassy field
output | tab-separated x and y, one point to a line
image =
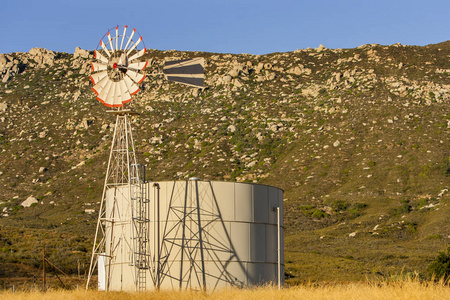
410	289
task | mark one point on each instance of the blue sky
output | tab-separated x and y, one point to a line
224	26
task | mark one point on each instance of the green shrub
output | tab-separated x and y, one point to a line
402	209
305	207
439	268
339	205
447	166
318	214
434	237
356	210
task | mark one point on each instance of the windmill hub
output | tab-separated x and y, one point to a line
117	66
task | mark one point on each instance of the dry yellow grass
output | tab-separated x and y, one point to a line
407	290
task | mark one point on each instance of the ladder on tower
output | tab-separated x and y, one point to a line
140	201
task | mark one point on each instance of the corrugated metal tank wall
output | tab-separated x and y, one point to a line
212	234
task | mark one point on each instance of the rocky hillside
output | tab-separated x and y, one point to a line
357	138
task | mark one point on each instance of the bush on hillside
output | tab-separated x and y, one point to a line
439	268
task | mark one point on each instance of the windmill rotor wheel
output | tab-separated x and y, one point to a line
118	70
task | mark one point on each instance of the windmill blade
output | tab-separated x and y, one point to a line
104	92
138	54
98	67
131	86
110	42
121	95
109	98
138	65
117	38
129	39
122	59
123	36
126	97
99	86
100	57
96	77
138	78
134	46
104	48
188	71
117	97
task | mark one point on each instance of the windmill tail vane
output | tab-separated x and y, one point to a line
187	71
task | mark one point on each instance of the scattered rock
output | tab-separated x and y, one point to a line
156	140
42	56
3	61
80	53
251	164
6	77
231	128
30	200
42	134
442	192
3	107
321	48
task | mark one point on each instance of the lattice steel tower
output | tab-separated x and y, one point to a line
122	233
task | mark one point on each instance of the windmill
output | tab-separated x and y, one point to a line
121	235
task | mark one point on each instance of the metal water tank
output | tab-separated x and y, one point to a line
199	235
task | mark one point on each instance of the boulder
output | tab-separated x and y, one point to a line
226	79
231	128
3	61
7	76
42	56
251	164
80	53
235	71
321	48
259	67
156	140
30	200
298	70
